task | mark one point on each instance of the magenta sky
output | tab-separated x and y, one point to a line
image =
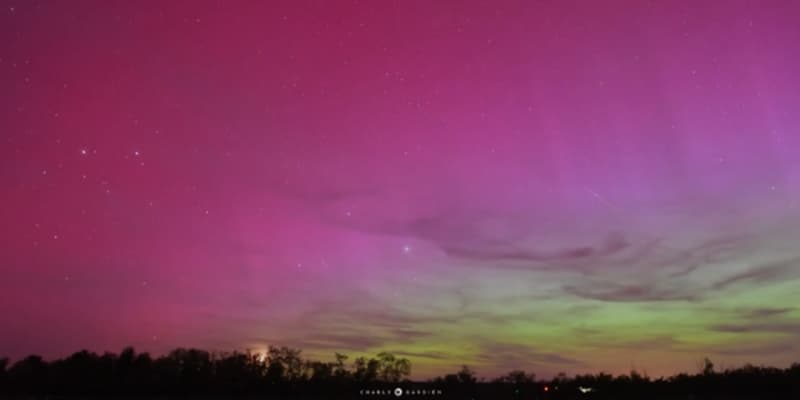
552	185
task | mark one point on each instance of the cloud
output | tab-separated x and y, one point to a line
314	336
765	312
778	270
351	342
507	241
661	342
783	347
630	293
650	286
615	266
433	355
481	237
500	251
502	240
758	327
362	321
510	356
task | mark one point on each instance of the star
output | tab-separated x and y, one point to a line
406	249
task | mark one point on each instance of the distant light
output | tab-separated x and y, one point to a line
546	388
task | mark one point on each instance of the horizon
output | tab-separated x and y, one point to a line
704	366
545	186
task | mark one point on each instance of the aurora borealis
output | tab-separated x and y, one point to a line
556	186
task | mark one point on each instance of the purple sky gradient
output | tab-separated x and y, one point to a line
465	182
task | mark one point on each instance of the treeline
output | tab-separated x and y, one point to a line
283	373
281	370
746	383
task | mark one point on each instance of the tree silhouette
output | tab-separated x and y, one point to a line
285	364
3	372
517	377
464	376
708	367
28	373
340	370
366	370
392	369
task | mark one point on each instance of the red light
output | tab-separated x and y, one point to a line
547	388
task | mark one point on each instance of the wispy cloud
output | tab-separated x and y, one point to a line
778	270
758	327
509	356
757	350
630	293
433	355
758	313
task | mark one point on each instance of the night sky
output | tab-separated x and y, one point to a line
550	185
